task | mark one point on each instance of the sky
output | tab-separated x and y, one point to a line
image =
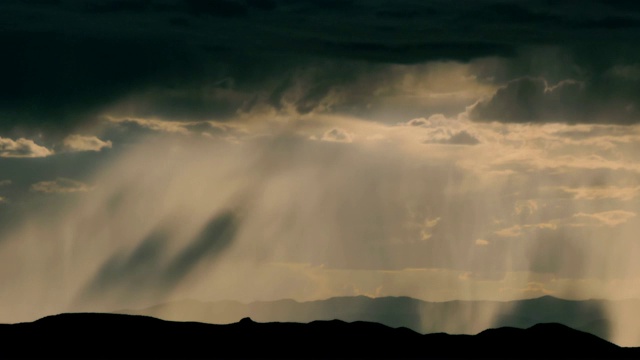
266	149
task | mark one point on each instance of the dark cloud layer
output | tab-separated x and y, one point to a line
614	97
65	62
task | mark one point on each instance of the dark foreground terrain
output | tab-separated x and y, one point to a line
90	335
452	317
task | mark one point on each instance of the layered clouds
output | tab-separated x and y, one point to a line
304	149
187	60
612	100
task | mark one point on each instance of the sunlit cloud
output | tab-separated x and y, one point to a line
425	232
606	218
519	230
527	207
22	148
77	142
482	242
153	124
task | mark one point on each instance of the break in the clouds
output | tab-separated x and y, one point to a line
254	150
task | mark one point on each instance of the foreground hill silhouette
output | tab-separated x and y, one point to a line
453	317
91	335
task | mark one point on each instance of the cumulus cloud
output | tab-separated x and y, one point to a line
77	142
22	148
60	185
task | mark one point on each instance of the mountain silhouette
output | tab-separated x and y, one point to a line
454	317
97	335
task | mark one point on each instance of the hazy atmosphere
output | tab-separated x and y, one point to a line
304	149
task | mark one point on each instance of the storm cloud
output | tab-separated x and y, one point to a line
612	99
66	63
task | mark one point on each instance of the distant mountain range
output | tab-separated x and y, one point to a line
87	335
453	317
